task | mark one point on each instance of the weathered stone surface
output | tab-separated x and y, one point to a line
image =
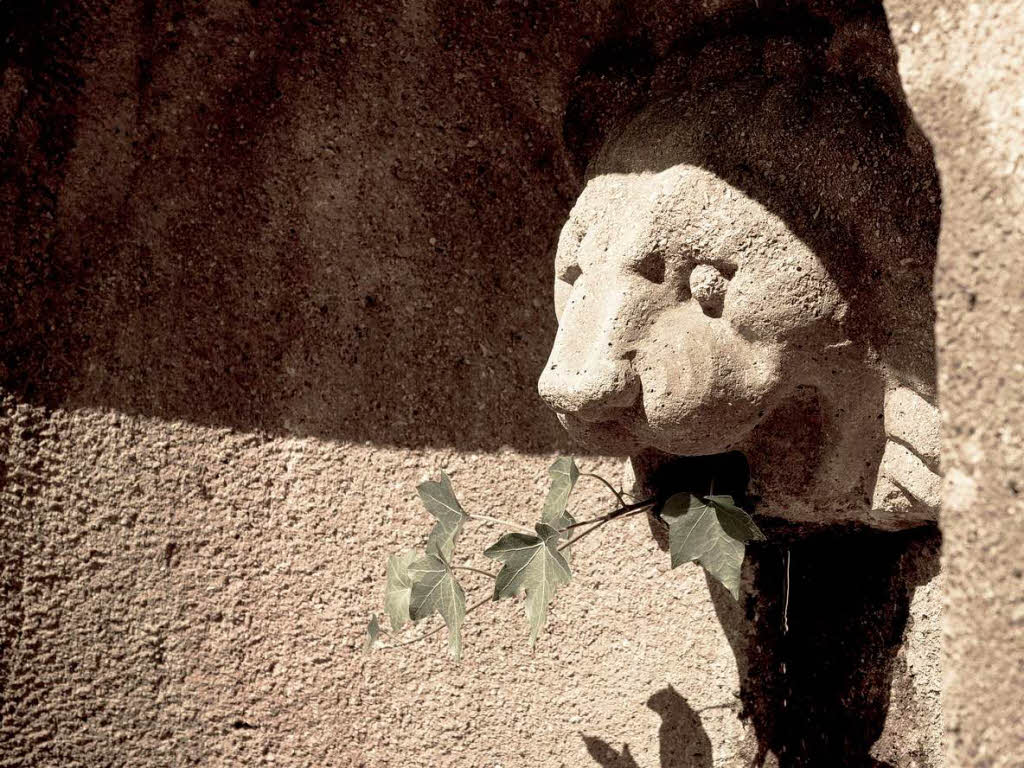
971	107
751	259
266	266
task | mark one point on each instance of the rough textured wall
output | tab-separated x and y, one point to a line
265	267
971	106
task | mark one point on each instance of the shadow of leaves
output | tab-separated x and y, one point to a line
683	742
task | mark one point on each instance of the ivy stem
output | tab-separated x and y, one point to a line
436	629
482	572
499	521
644	504
615	493
607	519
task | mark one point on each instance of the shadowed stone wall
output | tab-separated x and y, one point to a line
267	266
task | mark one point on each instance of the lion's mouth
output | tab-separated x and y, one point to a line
660	474
612	436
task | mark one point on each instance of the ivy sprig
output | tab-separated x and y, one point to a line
711	530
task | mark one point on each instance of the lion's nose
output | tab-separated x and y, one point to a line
594	390
590	371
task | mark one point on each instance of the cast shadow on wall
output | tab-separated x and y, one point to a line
683	742
817	662
276	256
315	238
817	666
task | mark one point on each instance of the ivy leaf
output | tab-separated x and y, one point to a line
713	531
435	590
372	633
734	520
440	501
399	589
532	564
564	474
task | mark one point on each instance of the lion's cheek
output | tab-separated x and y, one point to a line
704	403
794	303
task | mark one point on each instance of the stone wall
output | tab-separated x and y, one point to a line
267	266
965	81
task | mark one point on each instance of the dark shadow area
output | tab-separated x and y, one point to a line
282	217
816	679
337	220
683	742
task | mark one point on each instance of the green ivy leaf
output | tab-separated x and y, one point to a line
713	531
564	474
372	633
440	501
435	590
734	520
399	589
532	564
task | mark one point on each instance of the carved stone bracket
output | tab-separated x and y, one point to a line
748	269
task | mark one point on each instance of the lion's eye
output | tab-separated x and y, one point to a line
708	287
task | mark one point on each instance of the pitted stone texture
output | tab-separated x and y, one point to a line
183	595
271	264
965	79
709	301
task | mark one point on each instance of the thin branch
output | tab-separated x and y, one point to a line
785	605
435	630
499	521
488	574
603	521
615	493
730	705
644	504
574	539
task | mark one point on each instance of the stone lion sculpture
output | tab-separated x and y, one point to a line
748	269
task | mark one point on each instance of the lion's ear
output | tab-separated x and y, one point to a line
908	484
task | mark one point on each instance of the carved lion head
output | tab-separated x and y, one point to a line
744	271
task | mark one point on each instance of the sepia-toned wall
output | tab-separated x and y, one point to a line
965	82
265	267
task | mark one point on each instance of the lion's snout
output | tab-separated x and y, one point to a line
590	389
